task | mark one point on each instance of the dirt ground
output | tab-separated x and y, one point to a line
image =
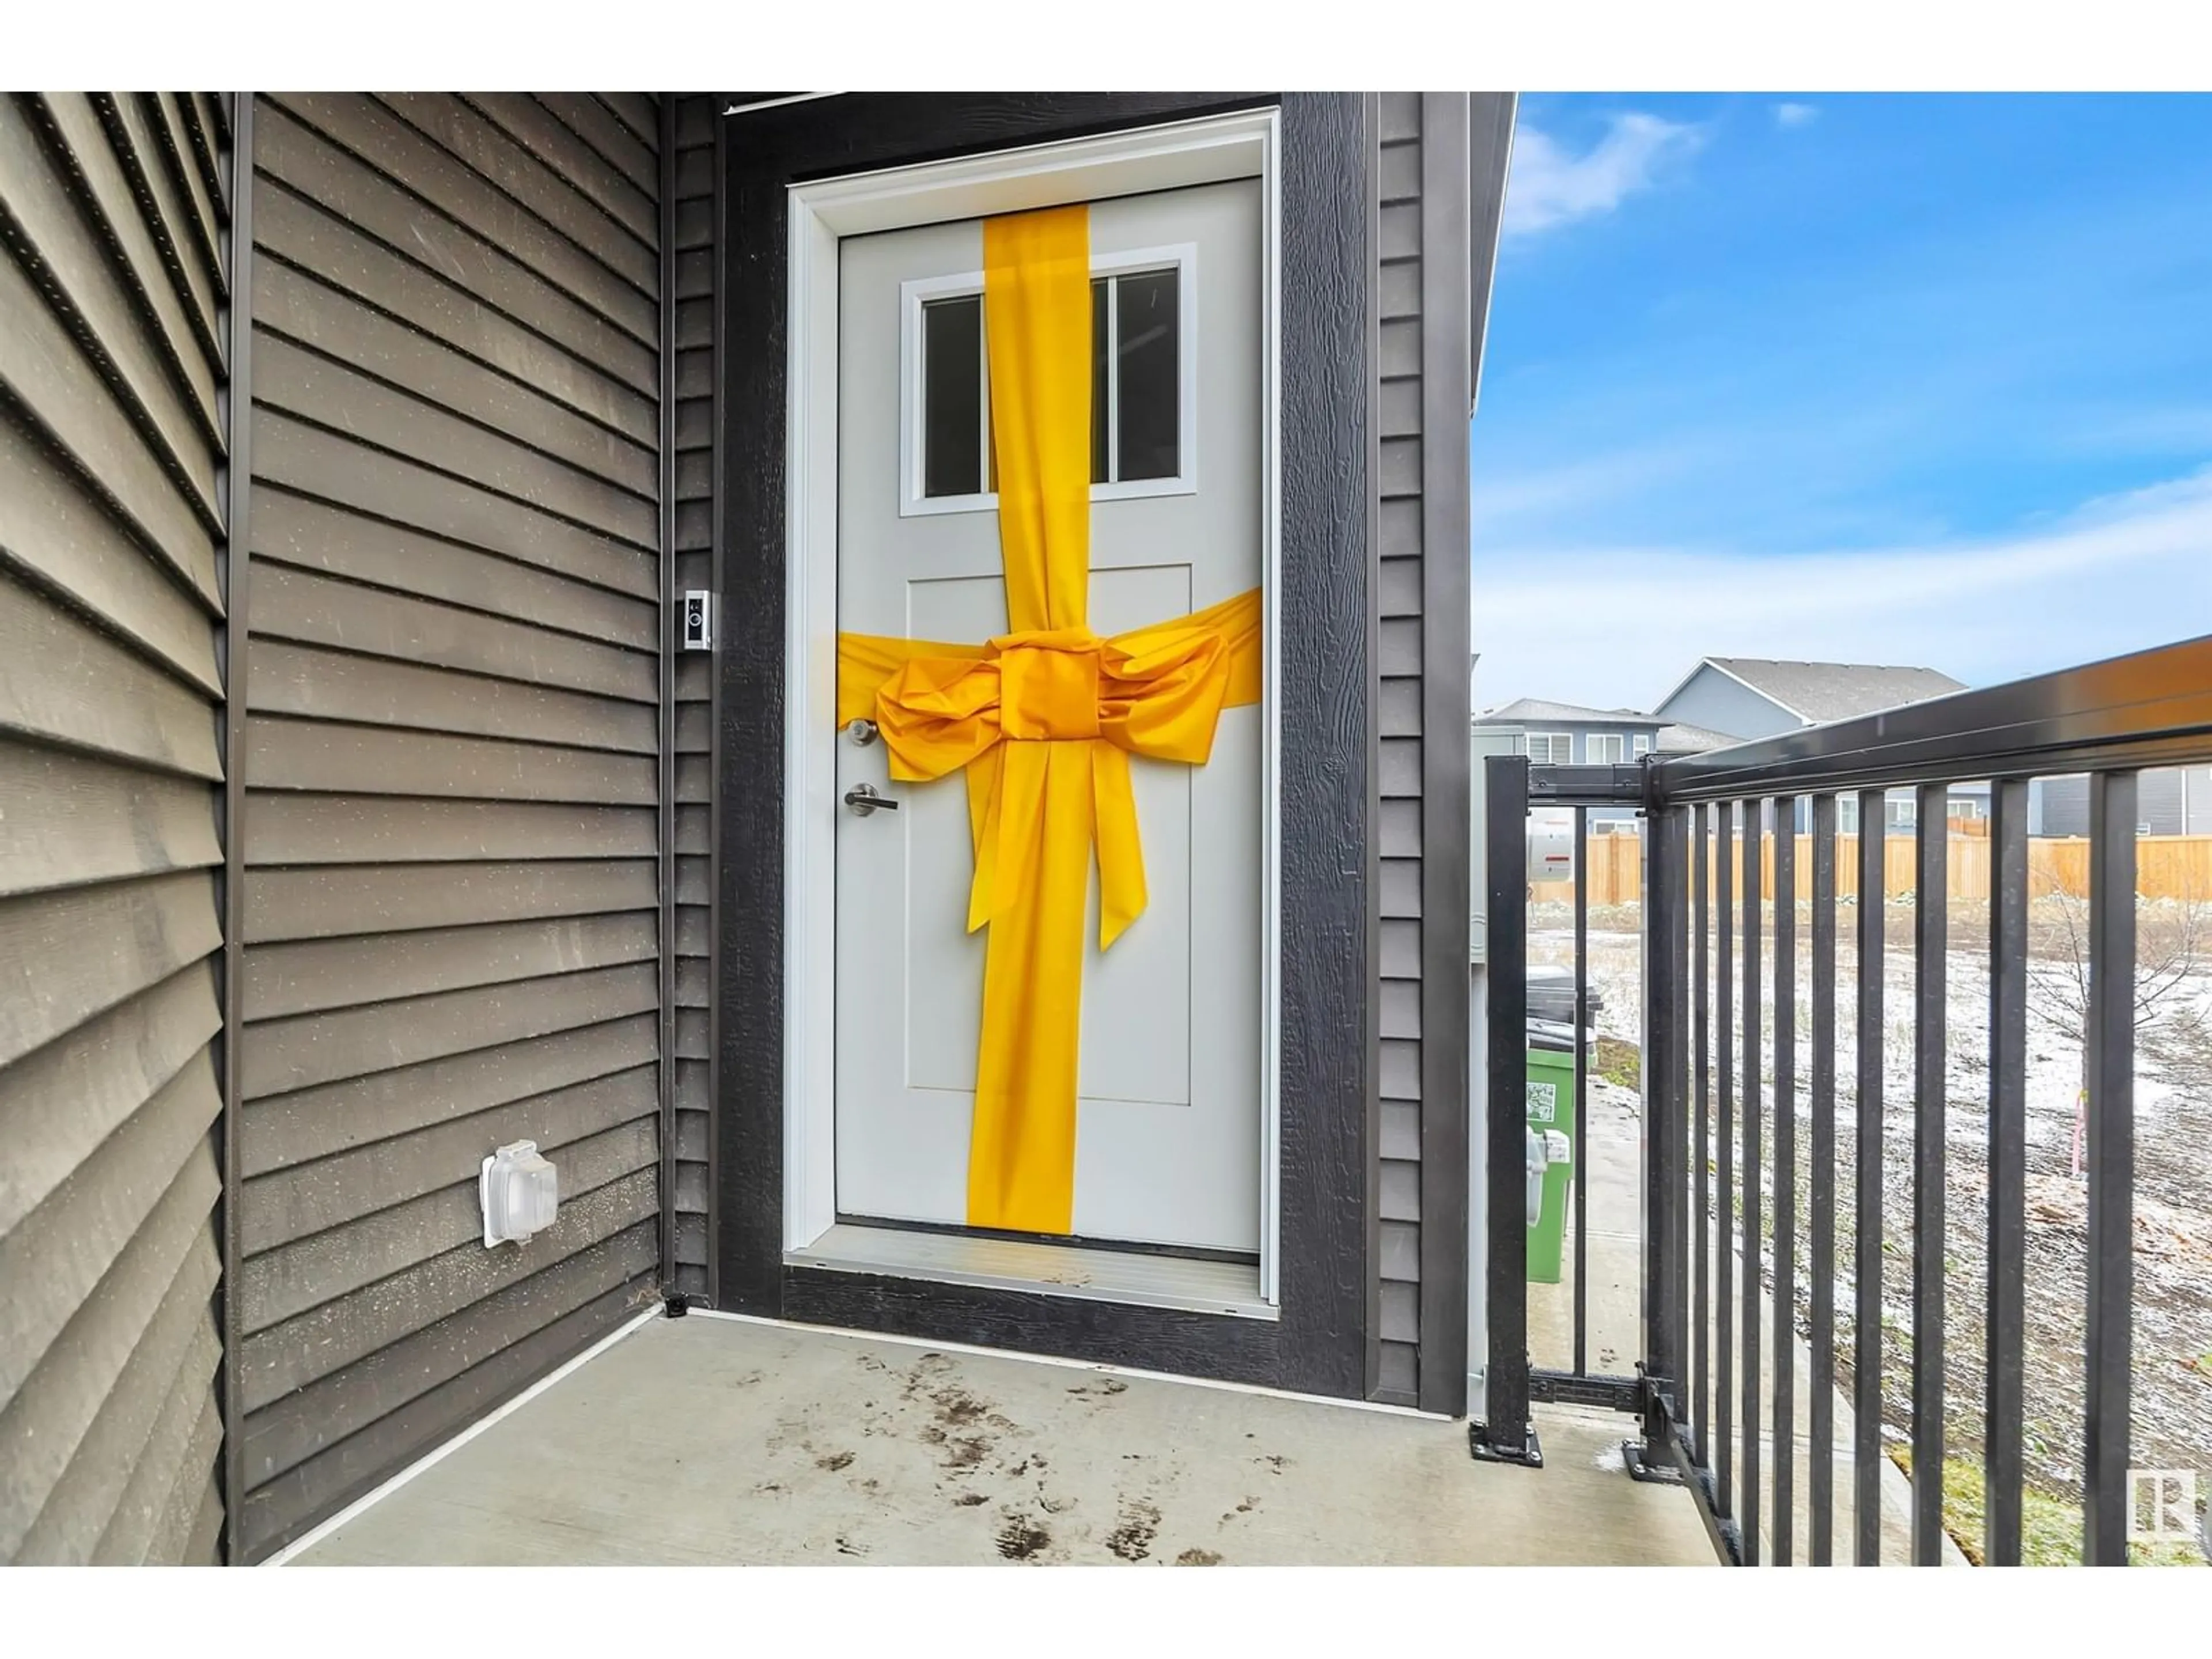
2173	1325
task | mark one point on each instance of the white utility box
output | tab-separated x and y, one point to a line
520	1193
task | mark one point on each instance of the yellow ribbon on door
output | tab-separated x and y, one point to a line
1044	719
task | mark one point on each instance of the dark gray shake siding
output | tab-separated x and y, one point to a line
452	817
1440	171
1398	369
114	285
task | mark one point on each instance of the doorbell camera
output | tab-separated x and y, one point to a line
698	613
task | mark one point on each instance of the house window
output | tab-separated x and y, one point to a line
1641	745
1143	386
1550	748
1603	748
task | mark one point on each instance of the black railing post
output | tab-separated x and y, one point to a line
2112	1064
1785	1178
1754	1063
1867	1185
1699	1412
1579	1129
1664	911
1820	1385
1724	1246
2008	1221
1505	1434
1931	917
1678	958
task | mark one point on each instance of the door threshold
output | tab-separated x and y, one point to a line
1140	1278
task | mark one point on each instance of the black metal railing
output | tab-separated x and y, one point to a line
1728	1192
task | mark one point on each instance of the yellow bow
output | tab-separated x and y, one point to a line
1044	719
1156	692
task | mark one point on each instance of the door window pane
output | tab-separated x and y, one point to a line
1147	382
1101	371
952	397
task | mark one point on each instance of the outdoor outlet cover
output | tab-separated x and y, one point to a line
521	1192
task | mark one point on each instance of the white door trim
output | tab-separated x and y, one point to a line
1244	145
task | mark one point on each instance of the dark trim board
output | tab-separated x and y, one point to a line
717	563
1490	150
1447	829
1319	1344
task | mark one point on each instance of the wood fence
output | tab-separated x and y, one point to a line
2166	867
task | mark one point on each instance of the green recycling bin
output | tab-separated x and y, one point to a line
1551	1106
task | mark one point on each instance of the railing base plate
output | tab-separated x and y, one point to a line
1528	1453
1642	1467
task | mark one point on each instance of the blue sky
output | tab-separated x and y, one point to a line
1879	378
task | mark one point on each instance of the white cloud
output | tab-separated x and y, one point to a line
1795	115
1550	187
1619	626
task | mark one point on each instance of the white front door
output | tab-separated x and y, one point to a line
1169	1117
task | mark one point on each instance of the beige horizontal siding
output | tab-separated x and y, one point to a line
113	272
452	763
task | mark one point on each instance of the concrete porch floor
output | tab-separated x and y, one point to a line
707	1441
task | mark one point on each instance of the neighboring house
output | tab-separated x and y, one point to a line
1749	697
1756	697
1566	734
2171	800
1681	740
369	805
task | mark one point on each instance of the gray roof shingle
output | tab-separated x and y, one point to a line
1819	691
1678	739
1528	710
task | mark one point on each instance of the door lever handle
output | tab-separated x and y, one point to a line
863	799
